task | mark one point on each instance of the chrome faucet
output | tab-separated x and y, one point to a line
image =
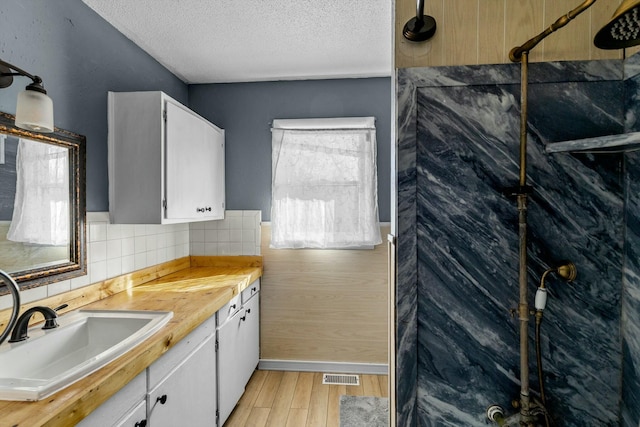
15	291
22	325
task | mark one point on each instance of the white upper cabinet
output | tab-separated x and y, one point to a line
166	163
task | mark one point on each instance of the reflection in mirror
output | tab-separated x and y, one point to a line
42	204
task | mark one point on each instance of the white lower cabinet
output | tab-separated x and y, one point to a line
238	349
187	395
199	381
137	417
127	408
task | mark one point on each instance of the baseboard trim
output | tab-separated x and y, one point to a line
318	366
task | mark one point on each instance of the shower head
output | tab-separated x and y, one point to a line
421	27
623	30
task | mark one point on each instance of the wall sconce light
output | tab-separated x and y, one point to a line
34	109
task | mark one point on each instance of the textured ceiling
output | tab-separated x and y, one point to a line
213	41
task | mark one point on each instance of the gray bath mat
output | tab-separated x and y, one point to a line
364	411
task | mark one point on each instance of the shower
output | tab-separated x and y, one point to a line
623	30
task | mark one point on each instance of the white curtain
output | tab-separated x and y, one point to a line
41	207
324	184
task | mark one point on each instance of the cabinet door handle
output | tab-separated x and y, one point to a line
248	310
233	306
162	399
142	423
253	289
243	318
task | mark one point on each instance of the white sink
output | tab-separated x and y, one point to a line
85	341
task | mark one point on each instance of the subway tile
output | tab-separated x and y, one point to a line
128	246
97	251
248	248
114	267
211	248
152	257
171	252
97	231
140	244
197	225
6	301
235	222
197	248
114	232
223	235
81	281
211	225
140	261
248	236
114	249
151	242
33	294
127	230
197	235
235	235
98	271
128	264
139	230
58	287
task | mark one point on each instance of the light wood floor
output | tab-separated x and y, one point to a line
297	399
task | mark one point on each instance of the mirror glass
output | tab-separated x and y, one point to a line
42	204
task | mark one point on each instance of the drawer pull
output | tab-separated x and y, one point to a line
233	306
243	318
248	310
162	399
142	423
254	289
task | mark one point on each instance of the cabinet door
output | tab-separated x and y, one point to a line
121	407
187	396
250	336
230	351
136	418
194	173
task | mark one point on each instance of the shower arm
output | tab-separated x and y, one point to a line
420	10
516	53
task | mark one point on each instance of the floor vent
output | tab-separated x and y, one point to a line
340	379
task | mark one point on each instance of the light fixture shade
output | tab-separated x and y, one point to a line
34	111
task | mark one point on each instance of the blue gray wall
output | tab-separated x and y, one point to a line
246	110
457	247
79	57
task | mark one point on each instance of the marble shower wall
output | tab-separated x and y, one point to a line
457	241
630	408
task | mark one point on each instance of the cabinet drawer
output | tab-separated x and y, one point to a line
119	405
228	310
250	291
161	367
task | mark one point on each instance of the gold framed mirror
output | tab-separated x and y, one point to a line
42	204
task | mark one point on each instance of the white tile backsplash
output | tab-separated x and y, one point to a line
237	234
116	249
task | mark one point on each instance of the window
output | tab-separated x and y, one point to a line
324	183
41	207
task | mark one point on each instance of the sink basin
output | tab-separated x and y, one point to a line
85	341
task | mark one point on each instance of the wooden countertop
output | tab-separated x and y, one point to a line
193	293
